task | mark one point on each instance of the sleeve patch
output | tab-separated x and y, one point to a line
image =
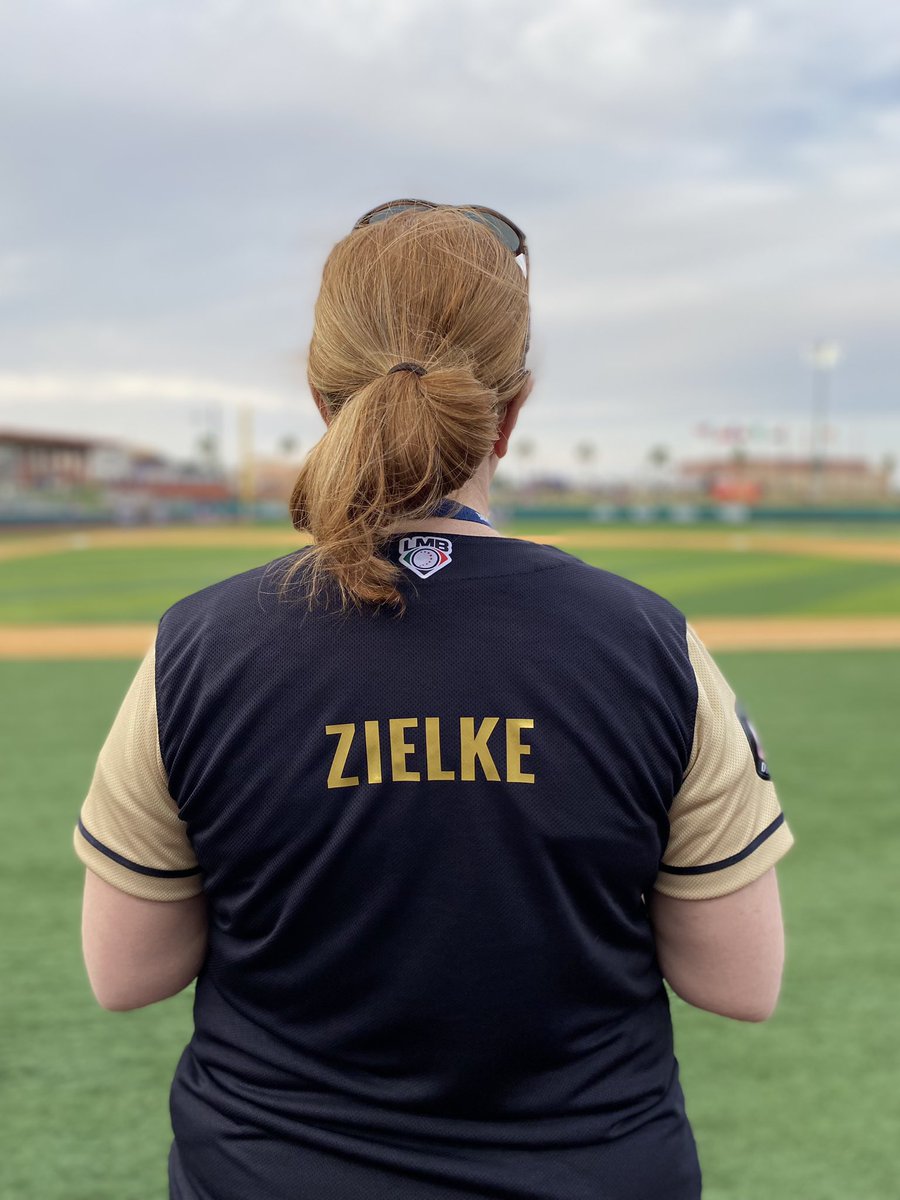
759	755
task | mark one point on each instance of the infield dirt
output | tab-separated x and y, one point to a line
131	640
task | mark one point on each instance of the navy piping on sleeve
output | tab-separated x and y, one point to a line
727	862
133	866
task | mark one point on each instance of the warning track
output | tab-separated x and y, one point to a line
131	640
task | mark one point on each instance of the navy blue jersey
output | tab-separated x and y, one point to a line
426	843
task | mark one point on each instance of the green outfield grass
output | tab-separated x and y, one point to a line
99	585
799	1107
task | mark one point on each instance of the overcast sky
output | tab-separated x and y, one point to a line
707	188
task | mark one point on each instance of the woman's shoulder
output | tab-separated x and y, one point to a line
596	583
226	599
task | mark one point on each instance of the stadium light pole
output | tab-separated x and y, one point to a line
247	480
824	356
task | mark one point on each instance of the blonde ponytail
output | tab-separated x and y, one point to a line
398	442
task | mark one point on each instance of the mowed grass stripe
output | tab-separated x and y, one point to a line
741	583
115	584
87	1118
138	584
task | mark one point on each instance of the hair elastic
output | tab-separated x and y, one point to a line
414	367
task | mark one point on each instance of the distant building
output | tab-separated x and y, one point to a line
753	480
45	474
42	461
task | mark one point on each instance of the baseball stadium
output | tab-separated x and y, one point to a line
805	622
594	305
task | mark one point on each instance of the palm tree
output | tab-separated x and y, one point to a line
208	449
586	454
659	458
524	448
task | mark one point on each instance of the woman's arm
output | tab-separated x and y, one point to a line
144	919
715	907
725	954
139	951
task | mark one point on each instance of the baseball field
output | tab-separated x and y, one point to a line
805	623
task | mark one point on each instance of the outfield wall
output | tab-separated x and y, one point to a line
503	514
690	514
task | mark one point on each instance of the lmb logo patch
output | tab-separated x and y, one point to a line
424	554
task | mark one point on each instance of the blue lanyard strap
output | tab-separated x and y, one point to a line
459	512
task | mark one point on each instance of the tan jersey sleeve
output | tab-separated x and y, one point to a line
726	827
129	832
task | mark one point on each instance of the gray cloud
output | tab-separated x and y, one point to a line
706	188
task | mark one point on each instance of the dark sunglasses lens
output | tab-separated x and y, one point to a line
391	211
504	232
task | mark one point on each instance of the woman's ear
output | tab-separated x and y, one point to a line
511	416
321	405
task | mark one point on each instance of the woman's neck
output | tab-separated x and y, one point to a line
473	494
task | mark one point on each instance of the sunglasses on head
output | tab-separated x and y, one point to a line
509	233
